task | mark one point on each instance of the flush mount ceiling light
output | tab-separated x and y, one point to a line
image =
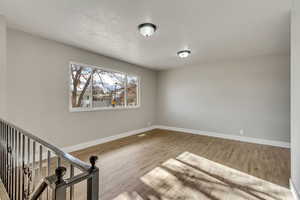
184	53
147	29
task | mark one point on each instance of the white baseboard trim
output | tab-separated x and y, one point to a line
192	131
294	191
104	140
227	136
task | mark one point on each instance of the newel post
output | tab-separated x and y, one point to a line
93	181
60	191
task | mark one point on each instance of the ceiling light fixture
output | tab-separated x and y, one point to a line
184	53
147	29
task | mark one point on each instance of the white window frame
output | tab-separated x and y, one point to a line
91	108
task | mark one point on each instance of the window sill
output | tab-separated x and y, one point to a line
102	109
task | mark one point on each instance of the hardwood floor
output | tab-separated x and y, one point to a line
124	163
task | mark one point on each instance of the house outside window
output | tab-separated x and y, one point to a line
96	88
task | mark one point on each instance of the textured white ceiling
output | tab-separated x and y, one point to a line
212	29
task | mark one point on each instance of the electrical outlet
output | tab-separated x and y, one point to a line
149	123
242	132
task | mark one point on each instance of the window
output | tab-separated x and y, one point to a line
95	88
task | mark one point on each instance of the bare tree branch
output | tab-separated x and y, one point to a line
76	81
72	73
84	89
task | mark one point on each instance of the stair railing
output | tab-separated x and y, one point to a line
31	168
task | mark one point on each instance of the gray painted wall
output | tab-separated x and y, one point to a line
38	92
2	65
295	94
251	94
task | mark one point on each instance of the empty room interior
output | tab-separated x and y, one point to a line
150	100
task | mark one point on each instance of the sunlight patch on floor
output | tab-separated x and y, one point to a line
190	176
3	193
129	196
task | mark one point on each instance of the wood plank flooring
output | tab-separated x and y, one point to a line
124	162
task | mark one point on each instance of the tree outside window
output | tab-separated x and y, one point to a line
96	88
